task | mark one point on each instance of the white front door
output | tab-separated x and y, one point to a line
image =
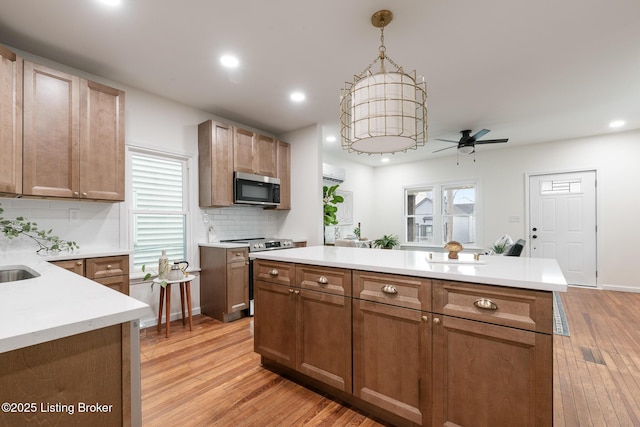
563	223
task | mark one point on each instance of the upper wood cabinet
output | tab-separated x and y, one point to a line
254	153
283	167
10	122
215	164
73	138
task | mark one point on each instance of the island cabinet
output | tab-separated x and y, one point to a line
392	344
224	282
303	320
492	356
10	122
73	136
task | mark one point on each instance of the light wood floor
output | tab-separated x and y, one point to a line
212	377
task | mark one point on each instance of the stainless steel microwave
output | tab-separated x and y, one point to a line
256	189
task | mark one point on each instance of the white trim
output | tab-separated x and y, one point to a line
619	288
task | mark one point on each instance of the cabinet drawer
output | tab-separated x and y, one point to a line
73	265
518	308
238	255
283	273
108	266
325	279
401	291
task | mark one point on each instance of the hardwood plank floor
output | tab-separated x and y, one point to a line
212	377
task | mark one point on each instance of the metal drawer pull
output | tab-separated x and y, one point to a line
389	289
323	280
485	304
109	267
274	272
297	292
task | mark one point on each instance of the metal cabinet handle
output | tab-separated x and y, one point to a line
425	318
436	320
323	280
109	267
389	289
274	272
78	262
290	291
85	195
296	292
485	304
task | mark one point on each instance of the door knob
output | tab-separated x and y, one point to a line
535	229
535	236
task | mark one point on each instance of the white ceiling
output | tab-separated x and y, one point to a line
531	71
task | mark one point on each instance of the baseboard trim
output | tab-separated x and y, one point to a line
621	288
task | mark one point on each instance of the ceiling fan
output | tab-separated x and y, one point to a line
467	142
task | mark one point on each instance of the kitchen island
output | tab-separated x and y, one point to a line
68	348
409	339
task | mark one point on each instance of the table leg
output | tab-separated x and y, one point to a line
168	315
188	290
160	309
182	300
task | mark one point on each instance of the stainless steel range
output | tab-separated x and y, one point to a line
263	244
260	244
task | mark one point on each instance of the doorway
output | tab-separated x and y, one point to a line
562	223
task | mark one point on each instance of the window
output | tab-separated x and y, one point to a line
436	214
159	213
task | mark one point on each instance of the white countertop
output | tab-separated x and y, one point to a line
224	245
516	272
57	304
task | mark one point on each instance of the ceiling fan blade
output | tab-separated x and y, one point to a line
480	134
442	149
445	140
492	141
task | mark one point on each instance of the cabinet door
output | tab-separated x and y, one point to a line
392	359
215	164
490	375
237	286
117	283
323	342
284	174
274	323
101	142
265	155
10	122
51	132
243	151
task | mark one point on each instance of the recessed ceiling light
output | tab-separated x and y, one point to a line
331	138
297	96
384	159
111	2
229	61
617	123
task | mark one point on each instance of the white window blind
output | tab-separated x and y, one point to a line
159	213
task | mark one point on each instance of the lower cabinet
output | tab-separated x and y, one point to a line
306	330
110	271
424	352
224	282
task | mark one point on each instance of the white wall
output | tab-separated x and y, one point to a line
502	175
356	174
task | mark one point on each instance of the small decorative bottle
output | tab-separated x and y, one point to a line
163	265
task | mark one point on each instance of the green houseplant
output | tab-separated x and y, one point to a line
331	200
387	241
47	242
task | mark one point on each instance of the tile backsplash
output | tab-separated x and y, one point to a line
242	222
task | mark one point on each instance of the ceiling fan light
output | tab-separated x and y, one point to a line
467	149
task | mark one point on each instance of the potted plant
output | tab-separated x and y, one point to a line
387	241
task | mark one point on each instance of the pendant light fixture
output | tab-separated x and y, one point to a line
383	111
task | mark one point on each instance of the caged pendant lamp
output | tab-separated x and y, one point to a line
383	111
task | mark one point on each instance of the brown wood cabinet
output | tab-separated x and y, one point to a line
284	174
215	164
73	139
254	153
224	282
304	329
11	66
392	344
490	366
110	271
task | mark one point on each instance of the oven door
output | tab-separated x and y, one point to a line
256	189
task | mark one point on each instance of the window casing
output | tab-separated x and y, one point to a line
158	208
438	213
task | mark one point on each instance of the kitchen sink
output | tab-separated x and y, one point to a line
16	272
